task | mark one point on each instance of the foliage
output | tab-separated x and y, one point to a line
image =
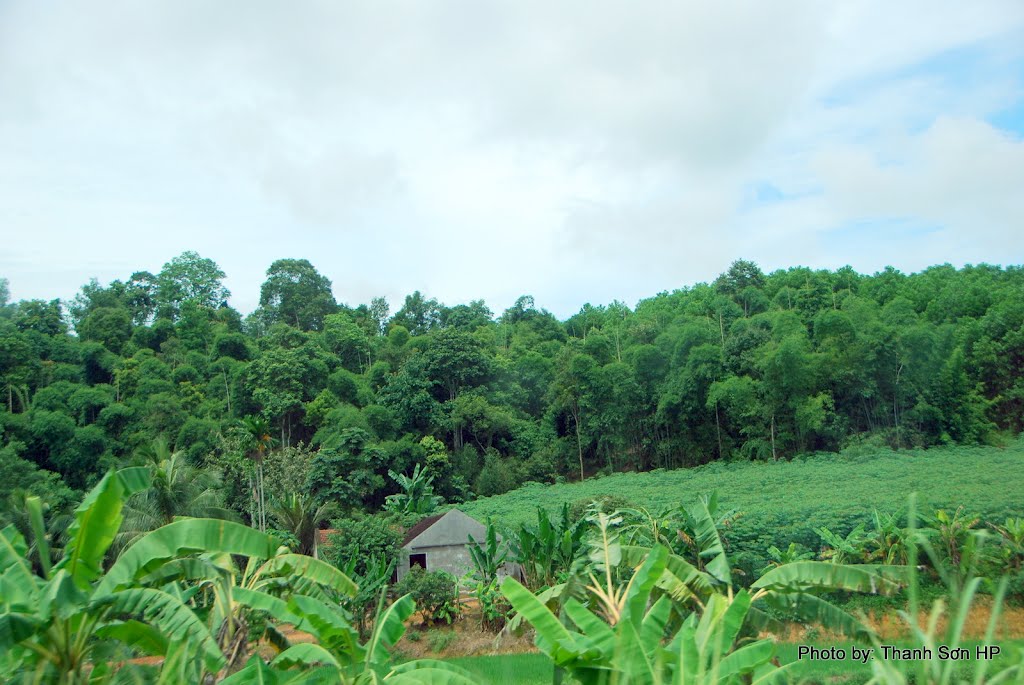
177	488
547	551
370	583
837	492
301	517
951	612
764	366
489	555
54	622
436	593
417	496
177	593
361	540
630	647
495	610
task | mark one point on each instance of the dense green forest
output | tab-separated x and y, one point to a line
752	366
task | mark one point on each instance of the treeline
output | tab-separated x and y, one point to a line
753	365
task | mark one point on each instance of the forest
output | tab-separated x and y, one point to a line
152	436
752	366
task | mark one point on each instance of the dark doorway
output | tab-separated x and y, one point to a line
418	560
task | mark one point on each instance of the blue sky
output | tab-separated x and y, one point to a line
577	152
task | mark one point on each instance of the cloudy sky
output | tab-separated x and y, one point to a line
576	151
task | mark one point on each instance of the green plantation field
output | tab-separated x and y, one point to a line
784	501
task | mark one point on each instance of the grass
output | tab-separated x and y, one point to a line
784	501
525	669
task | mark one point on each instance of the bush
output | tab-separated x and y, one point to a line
436	594
366	538
495	611
495	478
607	503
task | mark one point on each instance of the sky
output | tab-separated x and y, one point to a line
575	151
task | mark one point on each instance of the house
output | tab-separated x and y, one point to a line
441	543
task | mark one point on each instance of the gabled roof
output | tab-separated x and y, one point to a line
415	531
450	528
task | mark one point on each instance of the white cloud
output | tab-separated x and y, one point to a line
577	151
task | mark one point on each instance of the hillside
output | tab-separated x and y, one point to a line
784	501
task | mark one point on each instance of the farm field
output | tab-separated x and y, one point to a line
784	501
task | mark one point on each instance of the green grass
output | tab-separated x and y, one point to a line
784	501
527	669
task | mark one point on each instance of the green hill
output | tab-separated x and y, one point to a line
784	501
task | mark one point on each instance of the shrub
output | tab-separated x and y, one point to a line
435	592
495	478
607	504
366	538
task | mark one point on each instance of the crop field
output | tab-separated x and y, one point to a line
780	502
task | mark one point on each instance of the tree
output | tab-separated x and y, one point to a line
342	337
467	317
379	310
573	392
418	314
287	373
300	516
189	277
297	294
176	489
455	361
41	316
259	442
347	470
111	326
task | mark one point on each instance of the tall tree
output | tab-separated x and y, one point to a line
189	277
419	315
297	294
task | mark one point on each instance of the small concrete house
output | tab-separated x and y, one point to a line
441	543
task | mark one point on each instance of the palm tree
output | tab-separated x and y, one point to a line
300	516
177	489
260	441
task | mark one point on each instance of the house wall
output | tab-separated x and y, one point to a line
446	544
453	559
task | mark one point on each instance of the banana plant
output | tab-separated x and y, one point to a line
72	612
369	584
961	593
628	647
417	496
547	549
791	589
842	550
338	656
1010	554
489	555
240	599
